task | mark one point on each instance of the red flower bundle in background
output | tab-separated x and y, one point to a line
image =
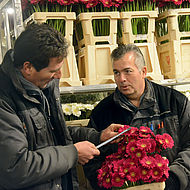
138	160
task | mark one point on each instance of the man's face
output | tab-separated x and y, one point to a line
129	80
45	75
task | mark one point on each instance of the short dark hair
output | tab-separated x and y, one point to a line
122	49
37	44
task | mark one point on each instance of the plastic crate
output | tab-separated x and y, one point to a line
70	75
68	17
127	32
175	59
146	42
151	59
173	45
95	65
86	33
172	26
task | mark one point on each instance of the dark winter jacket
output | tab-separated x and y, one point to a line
36	148
159	104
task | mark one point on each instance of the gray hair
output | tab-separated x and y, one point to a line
122	49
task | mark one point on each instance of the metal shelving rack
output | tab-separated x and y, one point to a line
11	24
111	87
87	88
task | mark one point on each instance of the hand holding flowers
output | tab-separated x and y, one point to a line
138	160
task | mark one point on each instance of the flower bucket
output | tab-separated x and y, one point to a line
151	186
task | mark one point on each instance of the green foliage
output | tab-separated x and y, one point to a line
87	98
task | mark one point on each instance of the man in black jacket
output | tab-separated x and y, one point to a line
37	150
138	102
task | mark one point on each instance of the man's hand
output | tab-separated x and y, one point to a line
86	151
110	132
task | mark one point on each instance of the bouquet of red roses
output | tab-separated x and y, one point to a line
137	161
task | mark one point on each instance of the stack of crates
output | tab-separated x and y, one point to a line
146	42
70	75
173	45
94	51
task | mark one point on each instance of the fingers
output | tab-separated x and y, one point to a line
95	152
86	151
115	127
84	160
110	132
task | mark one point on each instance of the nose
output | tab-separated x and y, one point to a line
122	78
58	74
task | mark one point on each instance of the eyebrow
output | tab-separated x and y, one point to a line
55	70
123	69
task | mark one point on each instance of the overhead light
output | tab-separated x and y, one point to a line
10	10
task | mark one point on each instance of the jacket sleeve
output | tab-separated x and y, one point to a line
181	165
20	167
84	133
90	169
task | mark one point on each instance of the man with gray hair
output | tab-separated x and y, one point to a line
139	102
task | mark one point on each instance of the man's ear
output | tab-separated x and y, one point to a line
27	68
144	71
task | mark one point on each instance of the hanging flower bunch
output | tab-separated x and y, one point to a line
138	160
